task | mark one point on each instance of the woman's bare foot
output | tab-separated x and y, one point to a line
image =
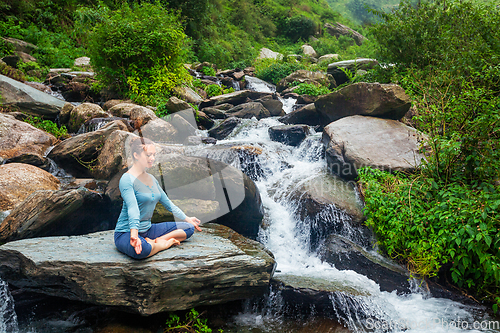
165	244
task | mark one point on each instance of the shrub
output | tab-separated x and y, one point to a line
11	72
140	52
273	71
209	71
453	35
192	323
311	89
48	126
298	27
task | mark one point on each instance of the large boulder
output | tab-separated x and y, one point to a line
338	30
18	181
159	130
362	98
28	99
188	94
338	69
214	266
309	51
20	45
273	104
347	255
305	76
291	135
328	58
358	141
58	213
249	110
204	210
83	112
306	114
18	138
174	105
225	128
233	98
121	109
78	154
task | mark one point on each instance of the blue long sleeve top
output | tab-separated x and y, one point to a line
139	202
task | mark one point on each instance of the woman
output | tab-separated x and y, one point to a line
135	235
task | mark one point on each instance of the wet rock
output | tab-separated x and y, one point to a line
28	99
18	181
174	105
273	104
57	213
335	69
65	113
18	138
75	92
368	99
32	159
214	266
203	120
122	109
95	124
183	127
78	154
249	110
258	84
357	141
141	115
225	128
347	255
159	130
291	135
233	98
214	113
83	112
304	115
306	99
338	30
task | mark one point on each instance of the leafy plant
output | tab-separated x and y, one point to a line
273	71
140	52
192	323
209	71
311	89
48	126
11	72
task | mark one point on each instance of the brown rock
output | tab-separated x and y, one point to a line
18	137
83	112
18	180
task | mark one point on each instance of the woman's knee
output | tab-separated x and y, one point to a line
123	245
187	227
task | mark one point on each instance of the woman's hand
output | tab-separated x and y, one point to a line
135	241
194	221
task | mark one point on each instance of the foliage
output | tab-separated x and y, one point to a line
48	126
311	89
11	72
209	71
140	52
457	35
273	71
428	224
192	323
298	27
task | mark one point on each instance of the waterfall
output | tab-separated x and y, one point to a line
287	236
8	317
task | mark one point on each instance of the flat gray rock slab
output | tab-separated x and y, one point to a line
214	266
357	141
28	99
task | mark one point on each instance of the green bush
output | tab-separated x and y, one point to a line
274	70
140	52
453	35
209	71
428	225
311	89
48	126
192	323
298	28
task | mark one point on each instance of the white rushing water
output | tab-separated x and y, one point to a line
8	317
288	239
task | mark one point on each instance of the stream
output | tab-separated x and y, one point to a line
284	169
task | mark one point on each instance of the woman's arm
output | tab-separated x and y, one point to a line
127	192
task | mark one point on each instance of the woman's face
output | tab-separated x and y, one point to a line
147	156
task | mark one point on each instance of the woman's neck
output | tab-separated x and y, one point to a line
137	170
